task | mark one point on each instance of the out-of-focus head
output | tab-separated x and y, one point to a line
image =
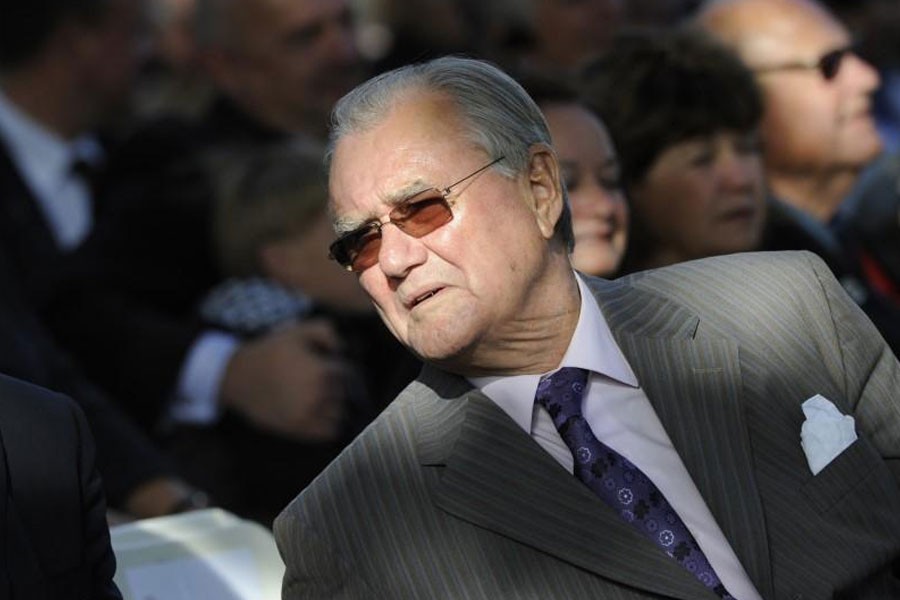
658	13
590	170
172	24
453	285
271	220
98	43
817	91
285	62
683	112
567	32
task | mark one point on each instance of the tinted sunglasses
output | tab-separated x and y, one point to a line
418	215
828	65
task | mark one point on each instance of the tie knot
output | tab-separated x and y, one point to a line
561	391
89	172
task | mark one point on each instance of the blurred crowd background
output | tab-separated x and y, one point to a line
163	218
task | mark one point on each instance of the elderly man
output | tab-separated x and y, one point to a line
573	437
818	130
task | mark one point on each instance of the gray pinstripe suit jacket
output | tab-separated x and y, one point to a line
443	496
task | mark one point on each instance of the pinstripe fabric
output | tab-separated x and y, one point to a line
444	497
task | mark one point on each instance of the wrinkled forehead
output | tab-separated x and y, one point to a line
417	145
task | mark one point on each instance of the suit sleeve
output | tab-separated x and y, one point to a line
313	567
99	558
870	369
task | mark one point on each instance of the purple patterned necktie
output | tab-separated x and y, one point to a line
618	482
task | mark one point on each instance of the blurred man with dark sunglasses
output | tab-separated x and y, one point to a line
818	129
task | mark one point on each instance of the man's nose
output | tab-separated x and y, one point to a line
864	73
399	252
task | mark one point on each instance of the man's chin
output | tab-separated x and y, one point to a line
445	349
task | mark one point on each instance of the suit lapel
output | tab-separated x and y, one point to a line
4	528
694	385
20	575
24	232
496	477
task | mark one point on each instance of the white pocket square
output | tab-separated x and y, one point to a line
825	433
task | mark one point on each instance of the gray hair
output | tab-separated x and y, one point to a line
498	114
264	193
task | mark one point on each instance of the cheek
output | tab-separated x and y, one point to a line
375	285
757	178
694	200
583	203
782	129
665	199
621	212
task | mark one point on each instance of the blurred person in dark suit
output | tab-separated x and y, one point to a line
138	479
54	540
270	224
65	69
276	66
870	217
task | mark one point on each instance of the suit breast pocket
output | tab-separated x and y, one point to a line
848	476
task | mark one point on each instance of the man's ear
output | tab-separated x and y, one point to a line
545	187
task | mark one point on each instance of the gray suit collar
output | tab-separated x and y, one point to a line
694	383
495	476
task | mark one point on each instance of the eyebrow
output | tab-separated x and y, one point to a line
344	225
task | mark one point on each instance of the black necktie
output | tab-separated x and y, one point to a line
89	172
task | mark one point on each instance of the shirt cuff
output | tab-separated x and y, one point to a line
197	396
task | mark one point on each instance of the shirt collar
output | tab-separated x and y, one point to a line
592	347
43	157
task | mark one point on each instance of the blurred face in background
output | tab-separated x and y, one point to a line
701	197
111	52
567	32
297	261
812	122
818	122
590	171
290	60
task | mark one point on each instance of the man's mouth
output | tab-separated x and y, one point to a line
419	299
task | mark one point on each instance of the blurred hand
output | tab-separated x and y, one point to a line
292	381
163	496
